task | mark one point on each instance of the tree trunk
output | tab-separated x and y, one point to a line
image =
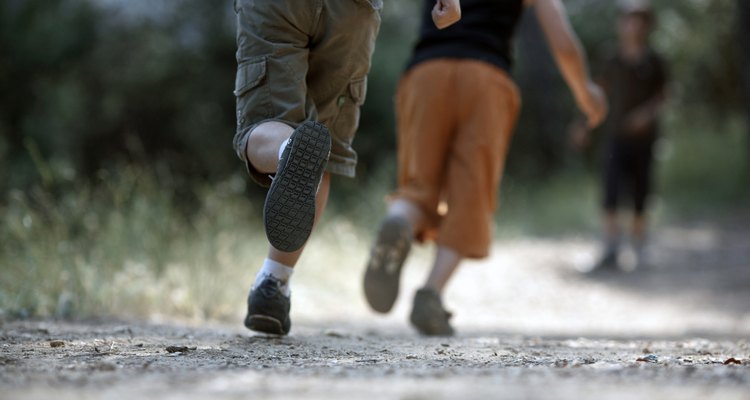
744	32
539	139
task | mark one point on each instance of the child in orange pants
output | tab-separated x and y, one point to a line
456	108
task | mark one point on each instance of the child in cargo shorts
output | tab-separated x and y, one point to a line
456	109
301	79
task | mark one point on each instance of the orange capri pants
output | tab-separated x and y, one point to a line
455	119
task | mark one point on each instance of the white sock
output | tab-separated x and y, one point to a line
281	151
277	270
282	147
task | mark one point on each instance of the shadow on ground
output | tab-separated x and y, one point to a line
704	266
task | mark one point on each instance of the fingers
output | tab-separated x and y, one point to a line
578	133
596	107
580	142
446	13
595	118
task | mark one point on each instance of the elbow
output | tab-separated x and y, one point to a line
568	53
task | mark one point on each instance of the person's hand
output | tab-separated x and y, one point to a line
578	134
446	13
593	104
638	121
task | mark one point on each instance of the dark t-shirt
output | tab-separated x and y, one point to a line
629	85
483	33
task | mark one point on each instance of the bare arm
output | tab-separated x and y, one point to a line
571	59
446	13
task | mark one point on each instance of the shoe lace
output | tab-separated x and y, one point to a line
270	286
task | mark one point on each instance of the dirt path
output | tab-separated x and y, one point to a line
530	326
115	360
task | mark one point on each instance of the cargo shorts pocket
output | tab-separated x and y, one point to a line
253	96
349	104
358	90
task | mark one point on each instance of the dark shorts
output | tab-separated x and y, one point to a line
628	165
301	60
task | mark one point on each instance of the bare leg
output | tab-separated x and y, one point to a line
611	231
411	212
446	260
610	243
611	226
446	263
263	145
638	238
290	259
639	227
428	314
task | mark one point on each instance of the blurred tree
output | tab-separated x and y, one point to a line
540	132
704	62
540	143
164	92
40	41
375	141
84	87
90	83
744	33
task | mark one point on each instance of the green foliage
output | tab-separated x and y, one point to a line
120	246
560	205
41	40
89	89
700	173
704	170
376	137
704	55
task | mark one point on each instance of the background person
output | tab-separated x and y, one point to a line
634	81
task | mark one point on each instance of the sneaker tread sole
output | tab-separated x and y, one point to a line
383	273
265	324
289	209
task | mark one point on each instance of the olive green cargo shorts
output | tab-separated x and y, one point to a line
304	60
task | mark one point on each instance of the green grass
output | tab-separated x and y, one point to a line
705	171
121	245
559	205
702	171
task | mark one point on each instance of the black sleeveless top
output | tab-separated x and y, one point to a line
483	33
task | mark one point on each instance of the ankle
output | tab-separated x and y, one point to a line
275	270
405	215
432	287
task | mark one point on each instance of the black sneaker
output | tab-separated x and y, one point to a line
429	316
607	264
289	210
387	256
268	308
